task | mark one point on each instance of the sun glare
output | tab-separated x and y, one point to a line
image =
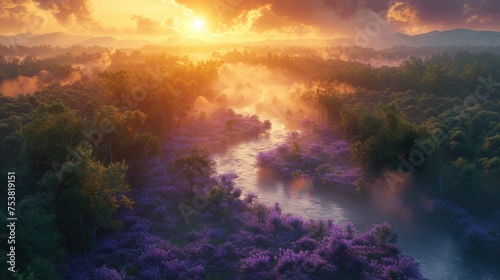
199	25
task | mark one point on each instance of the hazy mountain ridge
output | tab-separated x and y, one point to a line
447	38
62	39
455	37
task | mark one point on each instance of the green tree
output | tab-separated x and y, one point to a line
331	99
116	85
10	148
350	119
41	242
193	164
143	147
467	178
113	131
46	138
384	137
96	192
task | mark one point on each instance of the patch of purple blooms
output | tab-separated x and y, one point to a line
229	237
233	238
318	154
218	130
476	234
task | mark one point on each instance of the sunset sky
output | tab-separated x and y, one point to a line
242	19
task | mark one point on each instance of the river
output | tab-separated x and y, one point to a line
434	246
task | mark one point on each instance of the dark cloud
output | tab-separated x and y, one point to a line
308	11
422	15
342	16
270	22
460	13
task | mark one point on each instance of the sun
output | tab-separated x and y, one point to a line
199	25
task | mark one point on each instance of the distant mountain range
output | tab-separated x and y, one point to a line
448	38
62	39
456	37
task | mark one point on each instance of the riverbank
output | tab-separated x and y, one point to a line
434	246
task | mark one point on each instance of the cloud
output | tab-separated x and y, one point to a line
314	18
446	14
407	17
482	14
17	16
403	12
149	26
332	17
341	17
146	25
67	11
30	15
269	22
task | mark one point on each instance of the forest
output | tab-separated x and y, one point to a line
113	155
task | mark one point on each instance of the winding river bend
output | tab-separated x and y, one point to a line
434	246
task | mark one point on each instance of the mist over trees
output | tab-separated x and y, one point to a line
112	159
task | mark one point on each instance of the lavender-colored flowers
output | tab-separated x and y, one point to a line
235	237
218	130
319	155
104	273
476	234
240	246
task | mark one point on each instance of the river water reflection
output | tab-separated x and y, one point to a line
434	246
